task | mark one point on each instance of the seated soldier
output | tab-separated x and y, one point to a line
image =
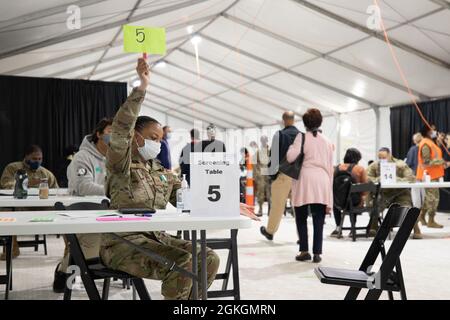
32	164
135	179
390	196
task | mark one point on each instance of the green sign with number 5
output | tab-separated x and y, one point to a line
144	39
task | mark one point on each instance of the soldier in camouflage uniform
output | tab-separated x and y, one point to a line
390	196
136	179
35	171
32	165
430	160
262	179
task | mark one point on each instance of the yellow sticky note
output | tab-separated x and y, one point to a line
144	39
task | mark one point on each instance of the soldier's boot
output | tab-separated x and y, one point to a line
16	250
417	234
433	224
373	228
422	217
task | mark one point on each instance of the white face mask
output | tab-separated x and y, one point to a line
150	150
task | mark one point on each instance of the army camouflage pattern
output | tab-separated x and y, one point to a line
175	285
132	183
431	200
390	196
262	180
8	180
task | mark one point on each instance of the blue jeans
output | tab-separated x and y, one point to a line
318	212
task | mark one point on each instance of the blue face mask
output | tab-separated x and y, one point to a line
106	138
34	165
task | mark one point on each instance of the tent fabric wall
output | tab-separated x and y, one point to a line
405	121
53	113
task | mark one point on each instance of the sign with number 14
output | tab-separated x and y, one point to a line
214	184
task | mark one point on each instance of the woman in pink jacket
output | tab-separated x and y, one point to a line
313	191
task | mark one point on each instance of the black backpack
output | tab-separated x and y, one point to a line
342	181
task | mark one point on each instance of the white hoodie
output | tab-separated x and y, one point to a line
87	171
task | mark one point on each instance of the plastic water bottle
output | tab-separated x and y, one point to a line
180	203
186	195
183	196
21	186
426	177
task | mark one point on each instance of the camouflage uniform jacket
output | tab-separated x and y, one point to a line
8	179
404	174
131	182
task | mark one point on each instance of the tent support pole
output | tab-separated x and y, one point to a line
376	110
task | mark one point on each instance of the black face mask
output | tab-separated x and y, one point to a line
34	165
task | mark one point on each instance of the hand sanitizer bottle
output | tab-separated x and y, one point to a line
185	195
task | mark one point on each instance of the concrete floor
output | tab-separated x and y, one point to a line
268	269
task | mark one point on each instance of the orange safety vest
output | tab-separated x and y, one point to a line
436	171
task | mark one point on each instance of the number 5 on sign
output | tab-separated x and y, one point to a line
214	185
144	39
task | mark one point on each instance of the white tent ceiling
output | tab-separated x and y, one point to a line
257	57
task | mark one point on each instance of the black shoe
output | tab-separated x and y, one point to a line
303	257
317	258
59	282
258	214
335	233
266	234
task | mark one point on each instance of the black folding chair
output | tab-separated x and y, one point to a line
390	276
7	278
353	211
93	269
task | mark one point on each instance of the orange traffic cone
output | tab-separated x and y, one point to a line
249	188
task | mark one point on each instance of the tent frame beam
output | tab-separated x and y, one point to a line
114	39
251	79
288	70
228	87
319	55
442	3
209	94
45	13
374	34
100	48
195	101
147	105
89	31
217	120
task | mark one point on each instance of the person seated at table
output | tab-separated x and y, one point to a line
135	179
430	160
32	164
390	196
359	175
86	177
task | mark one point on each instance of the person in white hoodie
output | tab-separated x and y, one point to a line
86	176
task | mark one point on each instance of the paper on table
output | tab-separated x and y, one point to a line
76	215
122	218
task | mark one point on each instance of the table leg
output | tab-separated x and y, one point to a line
203	269
234	248
194	265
